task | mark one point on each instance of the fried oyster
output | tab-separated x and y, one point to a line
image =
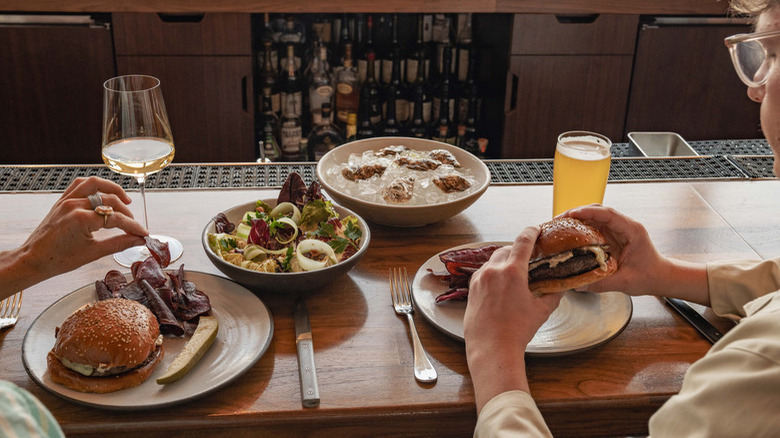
418	163
399	191
444	156
451	183
366	171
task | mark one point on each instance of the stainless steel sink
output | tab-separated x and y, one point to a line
660	144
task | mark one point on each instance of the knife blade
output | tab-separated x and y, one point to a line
697	321
310	393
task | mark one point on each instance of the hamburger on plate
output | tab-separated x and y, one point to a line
568	254
103	347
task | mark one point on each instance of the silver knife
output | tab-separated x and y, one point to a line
310	393
697	321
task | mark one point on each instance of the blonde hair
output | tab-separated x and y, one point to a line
754	8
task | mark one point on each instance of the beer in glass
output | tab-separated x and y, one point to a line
580	170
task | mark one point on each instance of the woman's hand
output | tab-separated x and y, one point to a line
502	316
66	238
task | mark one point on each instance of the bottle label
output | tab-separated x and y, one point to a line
292	103
291	138
344	88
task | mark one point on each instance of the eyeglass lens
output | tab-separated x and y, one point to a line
751	56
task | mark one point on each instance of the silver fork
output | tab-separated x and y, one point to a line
401	293
9	310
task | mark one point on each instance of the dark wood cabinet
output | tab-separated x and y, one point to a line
204	63
684	82
51	89
566	73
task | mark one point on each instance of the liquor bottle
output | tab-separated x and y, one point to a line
397	89
351	133
365	128
467	129
291	86
345	38
367	50
370	94
390	127
324	137
346	88
442	129
463	46
269	126
444	87
392	54
292	35
268	79
269	35
320	82
322	28
290	133
420	51
467	89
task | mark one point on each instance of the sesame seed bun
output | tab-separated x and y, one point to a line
115	341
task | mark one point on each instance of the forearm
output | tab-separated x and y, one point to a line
495	371
683	280
17	272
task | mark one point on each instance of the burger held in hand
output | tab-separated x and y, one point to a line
568	254
103	347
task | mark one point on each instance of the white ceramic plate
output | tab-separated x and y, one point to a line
582	320
245	332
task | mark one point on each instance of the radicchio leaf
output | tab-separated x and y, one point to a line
159	251
293	190
222	224
260	234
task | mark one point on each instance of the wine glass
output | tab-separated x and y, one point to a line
137	142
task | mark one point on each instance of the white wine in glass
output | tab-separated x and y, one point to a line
137	142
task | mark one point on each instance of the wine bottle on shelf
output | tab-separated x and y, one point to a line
392	53
467	89
390	127
324	137
417	126
468	138
269	35
444	87
396	88
290	133
320	83
420	52
370	98
463	46
442	129
291	86
268	78
366	50
269	126
292	35
420	93
345	38
366	127
322	28
347	93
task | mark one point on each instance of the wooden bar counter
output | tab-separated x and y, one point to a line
363	350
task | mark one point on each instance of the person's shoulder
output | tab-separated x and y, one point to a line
24	415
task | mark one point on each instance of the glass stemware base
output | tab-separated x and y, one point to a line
140	253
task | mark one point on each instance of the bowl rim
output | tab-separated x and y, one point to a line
364	241
330	189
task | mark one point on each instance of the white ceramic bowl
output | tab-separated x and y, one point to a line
284	282
401	215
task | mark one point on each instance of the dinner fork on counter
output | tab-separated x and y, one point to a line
9	310
401	293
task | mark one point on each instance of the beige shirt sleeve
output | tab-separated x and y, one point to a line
733	284
511	414
733	390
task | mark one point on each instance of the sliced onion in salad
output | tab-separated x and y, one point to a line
290	222
308	245
286	208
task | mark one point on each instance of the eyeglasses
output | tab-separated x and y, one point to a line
749	54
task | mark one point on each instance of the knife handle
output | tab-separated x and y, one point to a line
310	393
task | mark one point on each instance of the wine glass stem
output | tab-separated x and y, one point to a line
142	185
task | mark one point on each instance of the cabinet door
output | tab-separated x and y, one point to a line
684	82
208	103
548	95
51	89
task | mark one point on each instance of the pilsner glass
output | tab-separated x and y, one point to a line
137	142
580	170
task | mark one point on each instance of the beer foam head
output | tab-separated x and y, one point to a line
584	147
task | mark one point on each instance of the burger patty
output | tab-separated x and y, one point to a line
89	371
582	261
